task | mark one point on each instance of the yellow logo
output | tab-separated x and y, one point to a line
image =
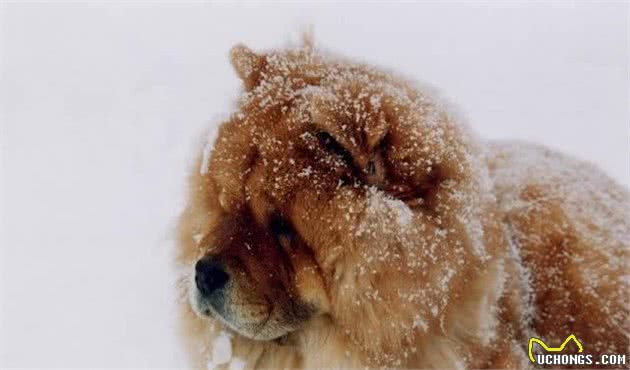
552	349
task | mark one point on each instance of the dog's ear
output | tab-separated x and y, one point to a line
247	65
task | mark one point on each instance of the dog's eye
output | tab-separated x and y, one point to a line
279	226
371	168
281	230
332	146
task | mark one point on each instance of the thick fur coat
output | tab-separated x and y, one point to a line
350	220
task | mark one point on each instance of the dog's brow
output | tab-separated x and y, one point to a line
333	146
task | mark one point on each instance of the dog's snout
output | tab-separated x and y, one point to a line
209	275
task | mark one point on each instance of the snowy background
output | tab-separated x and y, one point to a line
103	105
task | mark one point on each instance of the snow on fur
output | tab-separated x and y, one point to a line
421	265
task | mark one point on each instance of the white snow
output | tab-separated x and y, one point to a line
197	237
379	202
237	364
419	322
306	172
102	108
221	351
205	156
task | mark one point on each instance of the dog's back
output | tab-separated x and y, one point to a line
570	226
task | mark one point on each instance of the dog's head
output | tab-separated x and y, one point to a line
334	190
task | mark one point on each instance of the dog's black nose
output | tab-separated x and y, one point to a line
209	275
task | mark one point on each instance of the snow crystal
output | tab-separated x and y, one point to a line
375	101
434	310
418	322
306	172
381	203
402	211
221	350
205	159
237	364
197	237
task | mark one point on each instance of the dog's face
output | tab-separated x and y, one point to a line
272	170
333	191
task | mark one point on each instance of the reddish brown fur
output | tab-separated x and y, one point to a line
441	288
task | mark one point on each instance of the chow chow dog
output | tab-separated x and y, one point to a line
344	217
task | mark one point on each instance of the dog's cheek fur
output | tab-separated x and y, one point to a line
308	280
382	259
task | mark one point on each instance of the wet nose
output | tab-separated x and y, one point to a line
209	276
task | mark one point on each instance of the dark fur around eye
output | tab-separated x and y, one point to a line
334	147
283	232
371	168
279	226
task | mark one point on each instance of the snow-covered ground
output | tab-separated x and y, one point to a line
103	104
